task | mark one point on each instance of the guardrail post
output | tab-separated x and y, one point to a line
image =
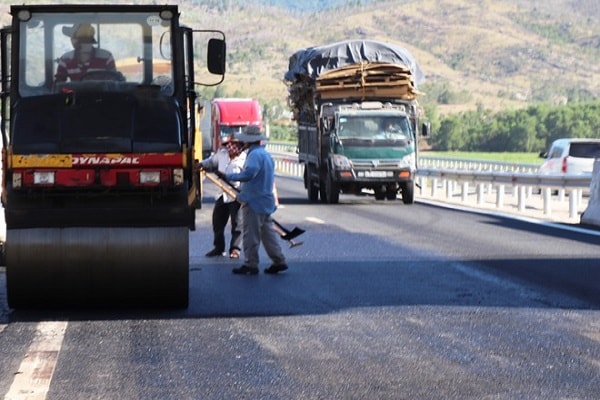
465	191
500	196
480	193
522	196
421	183
434	185
573	203
547	195
449	186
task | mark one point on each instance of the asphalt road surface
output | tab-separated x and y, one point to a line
381	301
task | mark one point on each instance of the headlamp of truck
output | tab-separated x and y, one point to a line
149	177
178	176
341	162
408	160
43	178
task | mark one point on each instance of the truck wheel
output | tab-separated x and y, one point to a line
332	190
408	192
323	193
311	187
379	193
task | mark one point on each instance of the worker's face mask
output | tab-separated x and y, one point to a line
85	47
234	148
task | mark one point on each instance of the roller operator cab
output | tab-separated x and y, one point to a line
98	132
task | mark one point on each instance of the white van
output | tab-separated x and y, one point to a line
570	156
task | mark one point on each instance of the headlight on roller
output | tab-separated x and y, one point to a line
17	180
43	178
149	177
178	176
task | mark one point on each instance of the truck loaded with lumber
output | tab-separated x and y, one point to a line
355	104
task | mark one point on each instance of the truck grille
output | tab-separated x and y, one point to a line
377	164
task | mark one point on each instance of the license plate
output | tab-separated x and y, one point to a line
376	174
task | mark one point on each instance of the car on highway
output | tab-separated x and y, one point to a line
570	156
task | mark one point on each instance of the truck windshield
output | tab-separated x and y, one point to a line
119	49
374	127
227	130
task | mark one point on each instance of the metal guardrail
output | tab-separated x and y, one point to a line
522	184
461	177
437	162
282	147
476	165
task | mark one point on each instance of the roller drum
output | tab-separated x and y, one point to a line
97	267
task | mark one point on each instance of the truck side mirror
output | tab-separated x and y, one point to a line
216	56
426	129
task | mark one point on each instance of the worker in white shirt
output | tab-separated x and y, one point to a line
228	159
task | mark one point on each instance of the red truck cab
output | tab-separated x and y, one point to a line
232	115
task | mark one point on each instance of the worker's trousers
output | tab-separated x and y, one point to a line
258	228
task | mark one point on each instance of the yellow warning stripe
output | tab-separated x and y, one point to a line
41	161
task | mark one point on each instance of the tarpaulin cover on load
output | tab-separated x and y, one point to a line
311	62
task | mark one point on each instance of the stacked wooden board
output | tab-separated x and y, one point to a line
354	70
367	80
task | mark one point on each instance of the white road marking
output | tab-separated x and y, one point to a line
315	220
32	380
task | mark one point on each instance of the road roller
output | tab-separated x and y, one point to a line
99	189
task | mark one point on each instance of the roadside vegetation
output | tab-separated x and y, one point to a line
512	158
512	136
528	130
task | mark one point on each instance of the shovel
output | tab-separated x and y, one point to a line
284	233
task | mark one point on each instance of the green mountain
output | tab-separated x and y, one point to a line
496	54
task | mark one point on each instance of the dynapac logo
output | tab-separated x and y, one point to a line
104	160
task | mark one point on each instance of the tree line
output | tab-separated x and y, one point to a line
531	129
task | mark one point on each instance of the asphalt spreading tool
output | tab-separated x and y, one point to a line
232	191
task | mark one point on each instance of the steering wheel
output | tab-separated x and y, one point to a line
102	75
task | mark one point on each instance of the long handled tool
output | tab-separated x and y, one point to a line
284	233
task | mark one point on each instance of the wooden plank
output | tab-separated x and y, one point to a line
402	92
340	85
365	77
